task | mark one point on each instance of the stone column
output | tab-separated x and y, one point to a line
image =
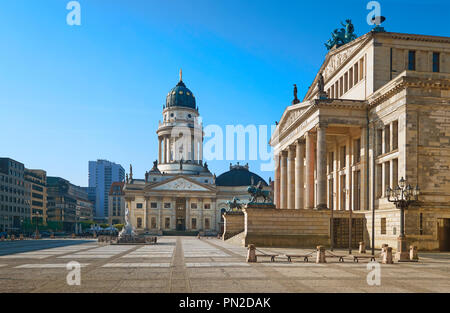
276	183
200	156
299	175
200	208
291	178
283	180
188	215
309	195
321	167
145	212
167	148
159	151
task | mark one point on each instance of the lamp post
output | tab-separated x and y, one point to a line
402	196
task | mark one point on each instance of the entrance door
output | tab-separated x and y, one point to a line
444	235
181	214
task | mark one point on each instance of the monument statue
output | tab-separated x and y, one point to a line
234	205
127	230
131	172
257	192
146	177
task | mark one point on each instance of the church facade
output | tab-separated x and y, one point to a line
180	194
378	110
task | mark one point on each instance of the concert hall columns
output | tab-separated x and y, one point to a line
321	167
310	160
291	178
283	180
299	175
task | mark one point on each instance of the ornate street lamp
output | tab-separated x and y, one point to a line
402	196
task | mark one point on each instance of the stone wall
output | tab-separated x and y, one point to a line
233	224
290	228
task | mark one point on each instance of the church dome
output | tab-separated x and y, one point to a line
239	175
180	96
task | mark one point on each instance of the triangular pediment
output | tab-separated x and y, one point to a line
292	114
179	184
335	59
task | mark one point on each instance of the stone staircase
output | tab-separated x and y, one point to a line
237	240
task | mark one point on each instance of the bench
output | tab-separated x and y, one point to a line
272	256
293	256
357	257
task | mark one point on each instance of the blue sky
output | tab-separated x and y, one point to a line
70	94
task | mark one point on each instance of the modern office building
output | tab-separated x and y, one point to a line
67	203
102	174
37	180
14	195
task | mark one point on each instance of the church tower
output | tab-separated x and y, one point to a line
180	134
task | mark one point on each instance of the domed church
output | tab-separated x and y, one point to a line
179	193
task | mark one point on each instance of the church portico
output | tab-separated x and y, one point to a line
316	158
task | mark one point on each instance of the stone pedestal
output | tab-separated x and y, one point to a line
251	254
321	255
13	237
402	254
413	256
52	236
387	256
2	238
383	249
21	237
362	247
73	235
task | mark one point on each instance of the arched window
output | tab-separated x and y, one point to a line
139	222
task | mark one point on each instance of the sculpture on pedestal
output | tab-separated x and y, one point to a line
257	192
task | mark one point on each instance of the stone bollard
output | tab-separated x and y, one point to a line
198	236
73	235
383	249
52	236
2	238
251	256
21	237
321	255
13	237
387	256
362	247
413	256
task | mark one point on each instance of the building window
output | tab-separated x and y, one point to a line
379	177
343	154
394	135
207	206
357	191
387	176
421	223
193	205
167	205
167	223
387	138
138	205
379	141
343	192
412	60
331	162
357	152
207	225
436	64
395	172
194	223
139	222
154	205
383	226
153	223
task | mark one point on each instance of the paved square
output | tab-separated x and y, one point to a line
188	264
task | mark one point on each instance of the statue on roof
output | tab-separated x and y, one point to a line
131	172
295	101
340	37
321	87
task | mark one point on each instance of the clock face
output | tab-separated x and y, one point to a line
180	92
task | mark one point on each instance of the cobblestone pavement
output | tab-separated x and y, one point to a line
188	264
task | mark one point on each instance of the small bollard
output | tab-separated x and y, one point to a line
198	236
383	249
52	236
73	235
362	247
387	256
413	256
251	256
13	237
321	255
21	237
2	238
